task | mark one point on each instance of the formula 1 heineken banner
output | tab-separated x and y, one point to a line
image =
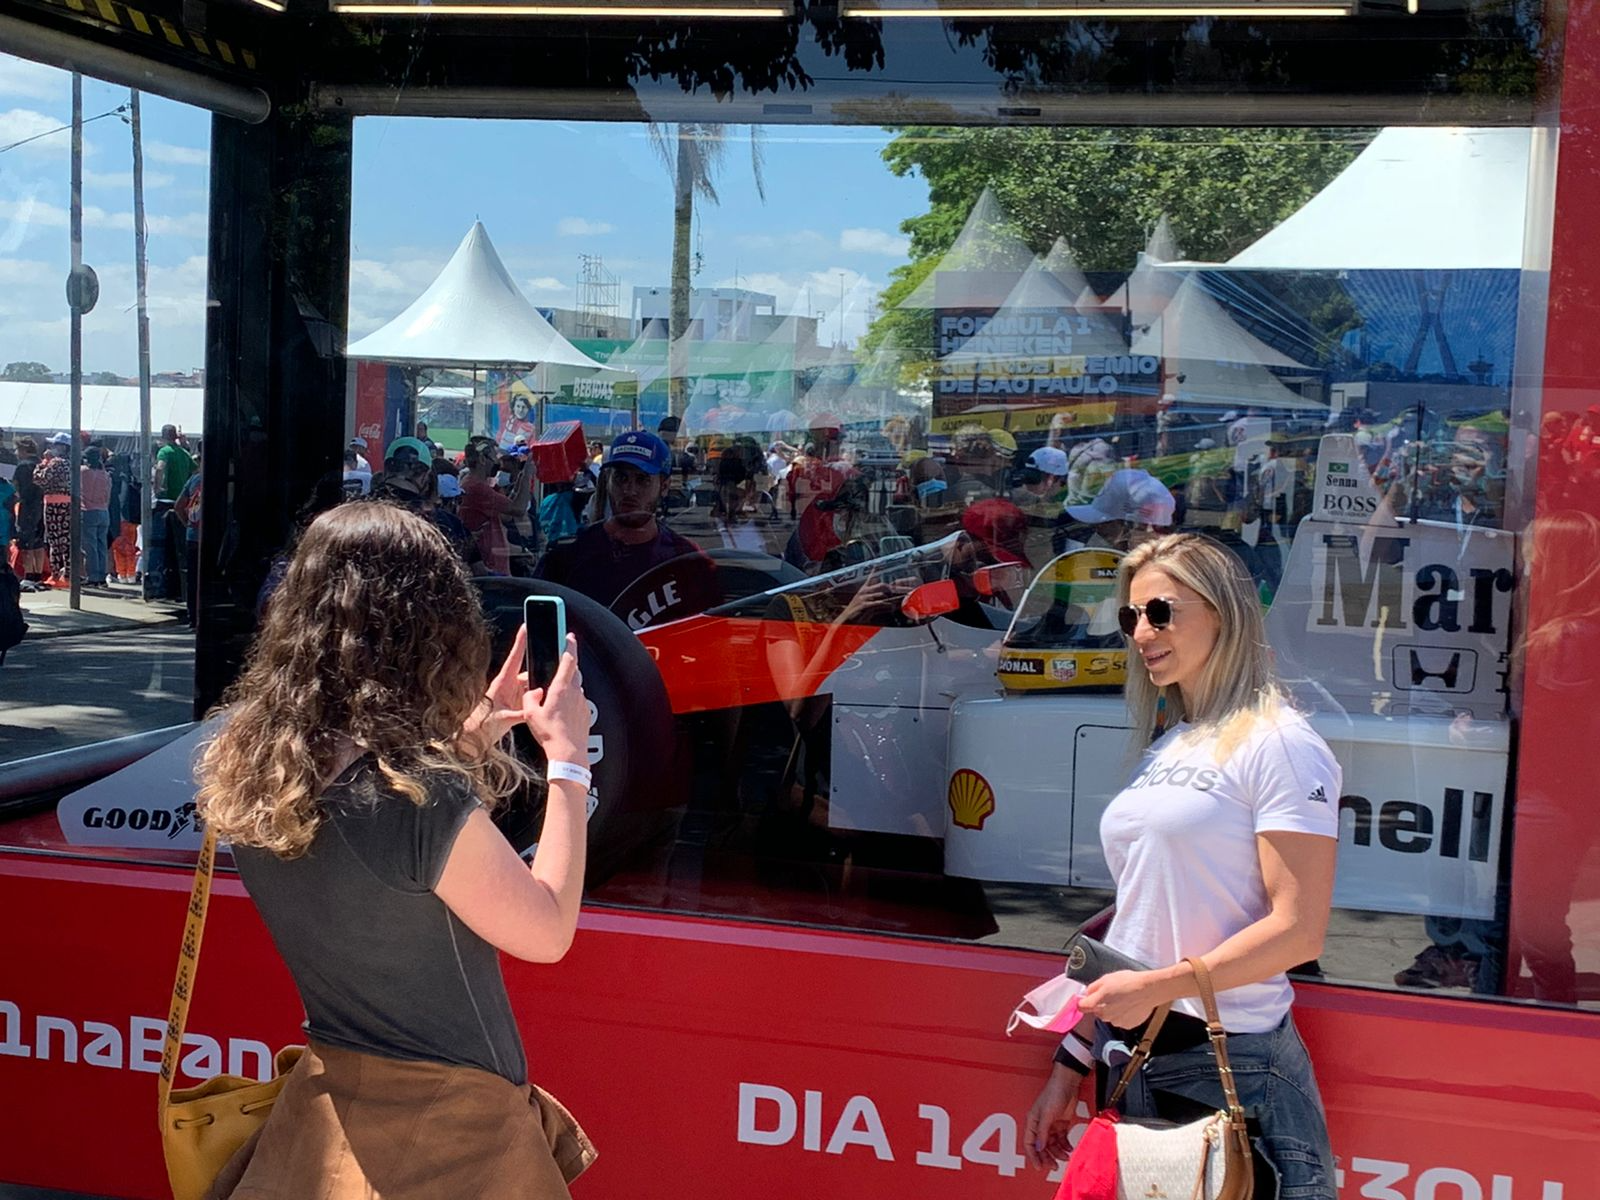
1034	355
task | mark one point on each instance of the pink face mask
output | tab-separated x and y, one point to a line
1054	1004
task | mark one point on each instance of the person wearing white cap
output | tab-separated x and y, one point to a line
1132	503
359	445
1039	495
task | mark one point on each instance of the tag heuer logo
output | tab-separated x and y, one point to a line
1320	796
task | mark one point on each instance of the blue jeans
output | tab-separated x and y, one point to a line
1276	1087
96	528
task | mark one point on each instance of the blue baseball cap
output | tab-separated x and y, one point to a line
642	451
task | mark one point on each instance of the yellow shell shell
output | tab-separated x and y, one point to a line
971	799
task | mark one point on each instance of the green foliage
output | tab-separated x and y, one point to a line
1103	190
26	372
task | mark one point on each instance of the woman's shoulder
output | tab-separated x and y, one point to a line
1281	728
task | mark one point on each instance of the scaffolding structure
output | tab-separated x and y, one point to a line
599	298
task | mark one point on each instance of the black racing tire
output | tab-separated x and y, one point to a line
635	785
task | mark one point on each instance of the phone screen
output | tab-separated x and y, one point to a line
546	619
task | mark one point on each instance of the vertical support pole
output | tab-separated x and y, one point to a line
75	451
141	464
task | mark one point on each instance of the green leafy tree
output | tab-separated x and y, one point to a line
1103	190
26	372
102	379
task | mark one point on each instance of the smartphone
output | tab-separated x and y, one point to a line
546	621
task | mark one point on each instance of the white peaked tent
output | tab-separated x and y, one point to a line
981	266
1414	199
1194	326
472	315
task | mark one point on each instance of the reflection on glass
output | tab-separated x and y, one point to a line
899	469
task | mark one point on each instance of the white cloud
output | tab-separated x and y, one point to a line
33	322
817	294
177	156
579	227
19	124
794	239
123	180
34	81
37	214
874	241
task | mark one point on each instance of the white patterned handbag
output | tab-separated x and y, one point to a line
1207	1159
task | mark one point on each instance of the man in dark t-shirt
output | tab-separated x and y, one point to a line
630	562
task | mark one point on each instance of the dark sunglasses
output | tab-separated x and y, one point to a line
1158	611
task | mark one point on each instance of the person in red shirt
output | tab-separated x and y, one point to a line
484	508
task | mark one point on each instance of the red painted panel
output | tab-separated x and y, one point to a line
654	1026
722	662
1556	830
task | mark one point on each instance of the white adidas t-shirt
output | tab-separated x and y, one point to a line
1180	840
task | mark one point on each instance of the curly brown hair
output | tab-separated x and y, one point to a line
375	641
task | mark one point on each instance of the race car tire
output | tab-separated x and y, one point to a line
631	743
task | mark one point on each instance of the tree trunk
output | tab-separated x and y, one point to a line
678	319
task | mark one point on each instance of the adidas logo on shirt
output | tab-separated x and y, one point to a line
1320	795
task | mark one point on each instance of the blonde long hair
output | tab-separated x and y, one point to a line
375	641
1237	687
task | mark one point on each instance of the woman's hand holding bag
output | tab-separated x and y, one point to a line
1131	1158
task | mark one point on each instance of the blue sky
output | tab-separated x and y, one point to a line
546	192
35	253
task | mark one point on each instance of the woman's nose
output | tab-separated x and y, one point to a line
1143	631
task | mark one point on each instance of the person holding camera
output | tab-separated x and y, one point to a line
354	777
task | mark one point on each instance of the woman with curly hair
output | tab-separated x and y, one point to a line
354	773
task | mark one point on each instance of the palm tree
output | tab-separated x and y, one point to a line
692	153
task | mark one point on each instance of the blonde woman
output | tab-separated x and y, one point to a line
1222	846
354	777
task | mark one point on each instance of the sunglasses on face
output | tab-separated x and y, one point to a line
1158	611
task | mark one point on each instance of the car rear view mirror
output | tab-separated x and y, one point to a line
930	600
999	579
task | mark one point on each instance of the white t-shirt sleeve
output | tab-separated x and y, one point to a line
1294	781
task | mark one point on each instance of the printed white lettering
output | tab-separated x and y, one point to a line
1384	1174
750	1130
869	1132
1002	1129
939	1140
43	1027
1464	1186
144	1044
105	1045
97	1044
238	1048
10	1041
204	1061
813	1132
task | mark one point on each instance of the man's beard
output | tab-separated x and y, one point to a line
634	520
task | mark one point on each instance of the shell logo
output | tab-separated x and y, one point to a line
971	799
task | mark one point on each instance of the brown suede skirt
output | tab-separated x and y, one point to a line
352	1126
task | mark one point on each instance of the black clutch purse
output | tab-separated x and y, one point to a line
1088	959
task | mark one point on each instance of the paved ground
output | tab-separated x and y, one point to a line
116	666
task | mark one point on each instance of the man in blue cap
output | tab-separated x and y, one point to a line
622	561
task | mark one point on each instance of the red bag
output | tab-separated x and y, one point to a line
1092	1170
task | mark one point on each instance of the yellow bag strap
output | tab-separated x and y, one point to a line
194	926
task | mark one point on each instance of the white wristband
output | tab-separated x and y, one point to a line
569	771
